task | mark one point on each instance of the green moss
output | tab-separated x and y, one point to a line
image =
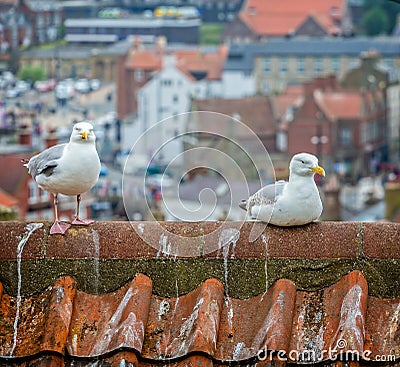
171	277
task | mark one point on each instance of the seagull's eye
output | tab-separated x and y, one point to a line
302	162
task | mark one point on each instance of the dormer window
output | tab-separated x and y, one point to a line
139	75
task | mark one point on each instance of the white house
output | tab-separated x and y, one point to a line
160	101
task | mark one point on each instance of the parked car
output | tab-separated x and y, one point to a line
22	86
46	85
64	90
12	93
95	84
82	85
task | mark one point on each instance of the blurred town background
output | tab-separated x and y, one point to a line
320	76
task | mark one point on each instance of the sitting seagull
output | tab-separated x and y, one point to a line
292	203
69	169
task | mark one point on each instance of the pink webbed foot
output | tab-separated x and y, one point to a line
82	222
59	227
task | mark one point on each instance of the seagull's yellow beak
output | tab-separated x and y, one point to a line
84	134
319	170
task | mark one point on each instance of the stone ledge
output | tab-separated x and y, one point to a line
106	255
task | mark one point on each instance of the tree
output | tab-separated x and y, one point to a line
391	9
32	73
375	21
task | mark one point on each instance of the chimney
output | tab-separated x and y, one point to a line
51	138
137	43
161	43
321	82
308	89
333	83
25	135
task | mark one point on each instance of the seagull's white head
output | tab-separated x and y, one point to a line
305	164
83	132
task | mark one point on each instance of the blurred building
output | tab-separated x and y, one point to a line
261	20
110	30
179	74
345	128
374	72
269	67
28	22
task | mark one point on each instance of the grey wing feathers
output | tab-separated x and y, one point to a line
46	161
266	195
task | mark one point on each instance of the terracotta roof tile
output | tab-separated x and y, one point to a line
102	324
7	200
43	321
279	18
145	59
194	61
340	105
203	326
188	61
208	325
277	25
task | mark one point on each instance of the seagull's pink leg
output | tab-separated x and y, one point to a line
78	220
58	227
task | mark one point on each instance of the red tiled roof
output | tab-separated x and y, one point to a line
340	105
145	59
279	18
211	64
282	102
64	325
7	200
187	61
203	324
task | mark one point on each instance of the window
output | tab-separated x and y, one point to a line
317	65
175	98
300	65
267	65
166	82
364	133
345	136
43	195
139	75
335	64
40	20
283	65
32	192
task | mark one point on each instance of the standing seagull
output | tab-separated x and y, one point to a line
292	203
69	169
